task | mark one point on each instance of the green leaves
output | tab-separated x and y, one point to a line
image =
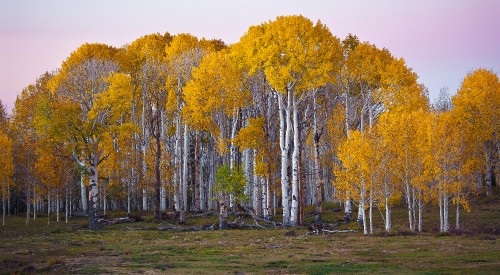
230	181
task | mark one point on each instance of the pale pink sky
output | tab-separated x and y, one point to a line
441	40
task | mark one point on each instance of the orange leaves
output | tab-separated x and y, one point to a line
476	102
292	52
6	161
357	155
116	100
217	86
252	136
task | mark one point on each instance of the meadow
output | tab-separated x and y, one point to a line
140	248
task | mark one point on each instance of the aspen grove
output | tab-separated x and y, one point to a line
288	117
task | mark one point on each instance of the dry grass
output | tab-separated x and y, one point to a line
69	248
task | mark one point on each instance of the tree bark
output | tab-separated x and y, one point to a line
388	225
83	191
197	176
258	195
457	215
295	163
222	213
316	134
284	115
185	169
348	211
3	206
157	169
93	193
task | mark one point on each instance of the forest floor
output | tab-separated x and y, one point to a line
140	248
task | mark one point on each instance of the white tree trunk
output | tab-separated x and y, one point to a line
457	215
83	191
93	193
48	207
409	204
420	214
163	197
144	199
3	206
247	159
317	174
266	198
446	225
295	165
441	217
232	157
28	205
371	210
177	161
388	225
363	215
359	219
185	168
257	194
58	205
284	115
203	201
348	211
34	205
66	210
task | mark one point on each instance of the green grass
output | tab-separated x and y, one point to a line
69	248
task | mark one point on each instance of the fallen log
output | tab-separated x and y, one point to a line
115	221
325	231
257	219
191	228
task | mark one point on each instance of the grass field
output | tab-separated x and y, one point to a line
70	248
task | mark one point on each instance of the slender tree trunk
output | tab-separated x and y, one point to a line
247	163
83	191
48	207
163	196
223	212
359	220
420	214
157	137
57	207
197	176
258	196
441	217
445	212
295	164
265	198
3	206
363	215
348	211
8	200
66	207
203	194
93	193
144	199
457	215
28	204
489	177
371	209
316	134
284	115
233	151
34	205
185	168
410	205
302	189
177	163
388	225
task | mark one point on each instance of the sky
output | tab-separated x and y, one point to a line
442	40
